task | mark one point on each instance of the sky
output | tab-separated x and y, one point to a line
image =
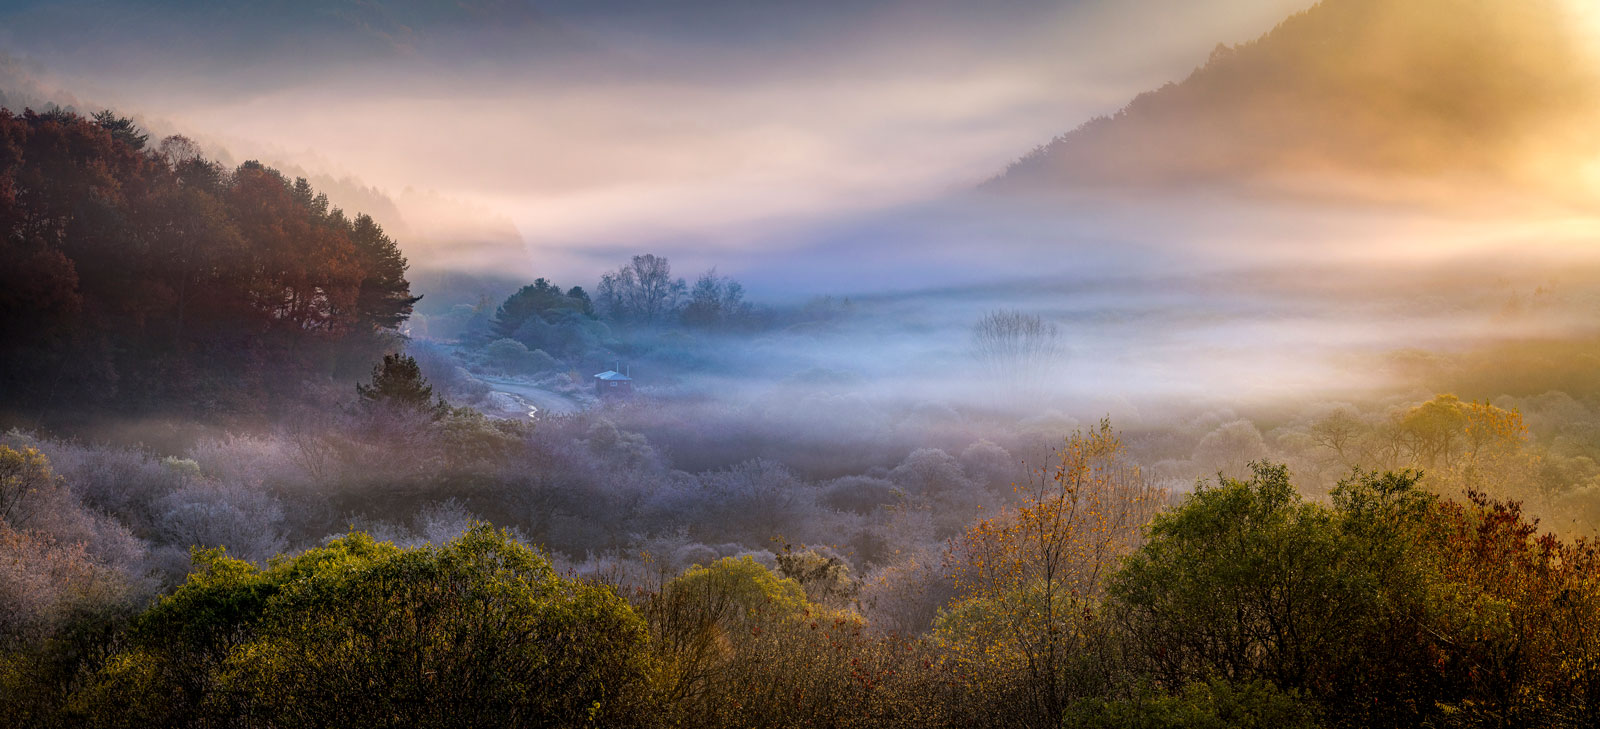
819	147
705	129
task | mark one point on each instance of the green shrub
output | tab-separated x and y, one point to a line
512	356
1212	705
478	632
741	588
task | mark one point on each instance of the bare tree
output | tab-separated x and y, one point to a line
1340	432
178	149
715	301
1017	350
642	291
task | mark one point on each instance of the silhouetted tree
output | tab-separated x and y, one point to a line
177	150
715	301
540	299
398	381
643	291
122	128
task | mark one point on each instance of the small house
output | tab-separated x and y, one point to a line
612	383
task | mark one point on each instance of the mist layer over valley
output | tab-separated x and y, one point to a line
738	364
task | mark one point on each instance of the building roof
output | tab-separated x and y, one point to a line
613	376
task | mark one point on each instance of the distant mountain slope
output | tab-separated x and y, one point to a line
1418	88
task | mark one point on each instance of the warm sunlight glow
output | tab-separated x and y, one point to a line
903	364
1587	13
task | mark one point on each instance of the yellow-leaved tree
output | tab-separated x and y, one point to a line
1025	631
1471	446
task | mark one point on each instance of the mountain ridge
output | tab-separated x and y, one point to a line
1484	89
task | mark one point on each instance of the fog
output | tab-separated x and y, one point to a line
694	129
1142	349
834	149
889	283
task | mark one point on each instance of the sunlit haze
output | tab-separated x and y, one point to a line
856	364
651	129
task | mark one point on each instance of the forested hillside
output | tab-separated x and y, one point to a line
141	276
1436	90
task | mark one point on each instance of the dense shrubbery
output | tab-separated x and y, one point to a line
479	632
1245	605
1217	704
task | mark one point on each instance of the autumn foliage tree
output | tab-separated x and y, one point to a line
1028	629
741	646
1390	607
1519	626
1469	446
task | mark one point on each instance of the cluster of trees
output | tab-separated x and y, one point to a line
1086	600
141	278
639	311
643	292
540	299
539	323
715	302
1537	450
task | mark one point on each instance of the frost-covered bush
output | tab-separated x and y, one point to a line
988	464
859	494
245	520
1230	449
122	482
58	560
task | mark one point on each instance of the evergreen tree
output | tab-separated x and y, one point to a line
398	381
122	128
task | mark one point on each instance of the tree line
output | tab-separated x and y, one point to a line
639	312
144	277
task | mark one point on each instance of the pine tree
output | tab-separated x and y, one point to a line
398	381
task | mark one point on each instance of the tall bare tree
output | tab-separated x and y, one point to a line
1018	351
642	291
